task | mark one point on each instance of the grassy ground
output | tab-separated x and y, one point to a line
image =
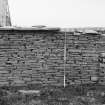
72	95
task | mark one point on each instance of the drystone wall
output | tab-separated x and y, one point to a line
82	58
37	57
31	58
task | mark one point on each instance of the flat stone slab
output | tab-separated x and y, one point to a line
29	92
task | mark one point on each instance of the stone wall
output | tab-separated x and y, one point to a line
82	58
37	57
31	58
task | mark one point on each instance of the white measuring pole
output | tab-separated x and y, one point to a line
65	60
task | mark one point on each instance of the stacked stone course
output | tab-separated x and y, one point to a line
37	57
82	58
31	58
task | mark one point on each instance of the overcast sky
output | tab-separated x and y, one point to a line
58	13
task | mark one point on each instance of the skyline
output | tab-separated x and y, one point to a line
57	13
